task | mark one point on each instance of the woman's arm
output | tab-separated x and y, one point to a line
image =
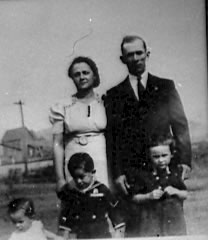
58	149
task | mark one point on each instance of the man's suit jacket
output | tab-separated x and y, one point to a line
131	122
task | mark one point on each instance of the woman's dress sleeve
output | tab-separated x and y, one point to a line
56	117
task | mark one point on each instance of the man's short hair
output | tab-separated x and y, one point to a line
132	38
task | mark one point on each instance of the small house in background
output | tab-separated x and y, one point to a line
25	149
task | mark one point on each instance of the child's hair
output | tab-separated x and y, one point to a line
80	160
22	203
162	139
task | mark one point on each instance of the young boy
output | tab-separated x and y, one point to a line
157	195
88	203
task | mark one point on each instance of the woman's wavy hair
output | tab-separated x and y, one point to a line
90	63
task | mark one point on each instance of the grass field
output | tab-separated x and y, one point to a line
47	204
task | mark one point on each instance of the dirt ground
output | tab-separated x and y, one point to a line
47	204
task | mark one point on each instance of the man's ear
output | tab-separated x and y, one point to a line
94	171
148	53
123	60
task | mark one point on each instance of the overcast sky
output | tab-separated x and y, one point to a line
39	38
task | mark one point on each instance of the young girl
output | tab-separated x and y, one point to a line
157	195
88	203
21	212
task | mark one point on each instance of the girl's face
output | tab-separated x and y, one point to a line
22	222
83	76
82	178
160	156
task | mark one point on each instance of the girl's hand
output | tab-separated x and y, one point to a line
170	191
156	194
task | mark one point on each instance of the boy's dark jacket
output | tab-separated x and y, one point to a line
90	206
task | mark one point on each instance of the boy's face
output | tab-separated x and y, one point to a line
22	222
82	178
160	156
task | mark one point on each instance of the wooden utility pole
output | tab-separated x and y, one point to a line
20	103
24	148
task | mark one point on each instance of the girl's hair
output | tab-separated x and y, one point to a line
80	160
25	204
90	63
162	139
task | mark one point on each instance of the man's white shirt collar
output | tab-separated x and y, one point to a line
133	81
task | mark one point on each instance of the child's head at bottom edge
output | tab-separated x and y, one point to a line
21	212
81	168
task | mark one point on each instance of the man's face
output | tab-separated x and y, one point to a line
135	57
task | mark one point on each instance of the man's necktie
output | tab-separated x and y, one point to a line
141	89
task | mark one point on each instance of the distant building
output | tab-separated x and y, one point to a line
21	145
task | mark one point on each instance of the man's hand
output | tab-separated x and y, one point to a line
185	171
122	184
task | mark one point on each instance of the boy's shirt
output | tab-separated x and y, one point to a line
90	206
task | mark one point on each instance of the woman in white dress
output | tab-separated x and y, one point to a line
79	122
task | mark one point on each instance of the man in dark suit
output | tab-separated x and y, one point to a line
139	107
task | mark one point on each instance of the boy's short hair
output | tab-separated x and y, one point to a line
80	160
25	204
162	139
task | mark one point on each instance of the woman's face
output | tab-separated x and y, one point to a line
83	76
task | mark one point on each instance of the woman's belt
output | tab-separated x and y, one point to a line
83	139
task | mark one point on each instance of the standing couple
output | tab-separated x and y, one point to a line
115	132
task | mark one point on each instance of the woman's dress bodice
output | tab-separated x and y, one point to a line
83	125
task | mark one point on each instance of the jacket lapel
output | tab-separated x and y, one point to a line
152	86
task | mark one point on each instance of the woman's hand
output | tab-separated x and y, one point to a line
60	183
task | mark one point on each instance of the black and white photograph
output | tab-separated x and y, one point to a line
104	119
